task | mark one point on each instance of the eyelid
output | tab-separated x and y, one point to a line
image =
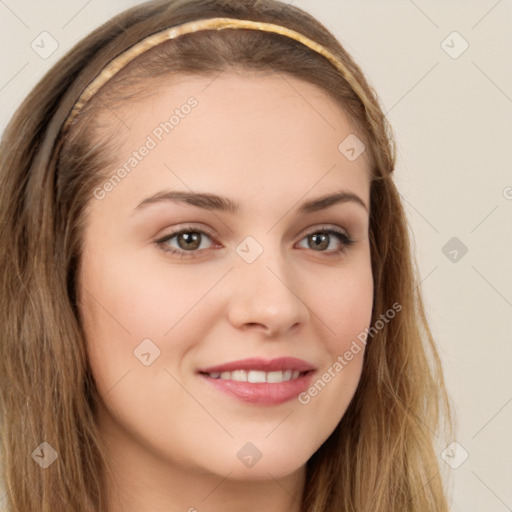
187	227
325	227
160	242
345	238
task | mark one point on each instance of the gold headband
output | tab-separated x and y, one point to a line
153	40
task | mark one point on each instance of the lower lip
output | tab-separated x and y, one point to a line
263	393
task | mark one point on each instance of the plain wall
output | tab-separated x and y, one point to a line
452	117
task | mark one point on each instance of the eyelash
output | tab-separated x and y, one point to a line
345	240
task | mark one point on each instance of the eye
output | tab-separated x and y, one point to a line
188	241
185	242
328	240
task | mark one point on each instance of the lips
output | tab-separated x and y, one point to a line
259	381
263	365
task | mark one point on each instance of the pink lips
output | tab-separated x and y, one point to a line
262	393
264	365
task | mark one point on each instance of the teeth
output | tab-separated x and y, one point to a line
275	377
239	375
256	376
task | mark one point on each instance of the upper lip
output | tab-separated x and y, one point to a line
266	365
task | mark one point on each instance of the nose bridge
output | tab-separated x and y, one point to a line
265	293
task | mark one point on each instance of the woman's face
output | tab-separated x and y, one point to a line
173	287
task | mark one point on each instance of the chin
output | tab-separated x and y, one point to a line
249	465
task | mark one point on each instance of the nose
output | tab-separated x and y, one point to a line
267	297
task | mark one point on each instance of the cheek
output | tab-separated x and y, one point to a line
343	307
131	296
345	303
347	312
128	300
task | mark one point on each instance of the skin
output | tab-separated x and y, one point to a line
270	144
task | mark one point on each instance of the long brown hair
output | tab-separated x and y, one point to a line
380	458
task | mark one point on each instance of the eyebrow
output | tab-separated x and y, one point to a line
215	202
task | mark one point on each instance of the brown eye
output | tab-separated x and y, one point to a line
328	241
189	240
319	241
185	241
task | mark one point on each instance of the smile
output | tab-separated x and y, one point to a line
261	381
257	376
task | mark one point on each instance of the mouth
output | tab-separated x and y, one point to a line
259	381
256	376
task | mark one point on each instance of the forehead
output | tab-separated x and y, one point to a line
249	136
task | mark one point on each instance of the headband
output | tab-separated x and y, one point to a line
119	62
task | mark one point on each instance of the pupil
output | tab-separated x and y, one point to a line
190	239
320	240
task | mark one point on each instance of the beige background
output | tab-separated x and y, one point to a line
453	119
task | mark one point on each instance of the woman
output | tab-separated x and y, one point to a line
208	297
